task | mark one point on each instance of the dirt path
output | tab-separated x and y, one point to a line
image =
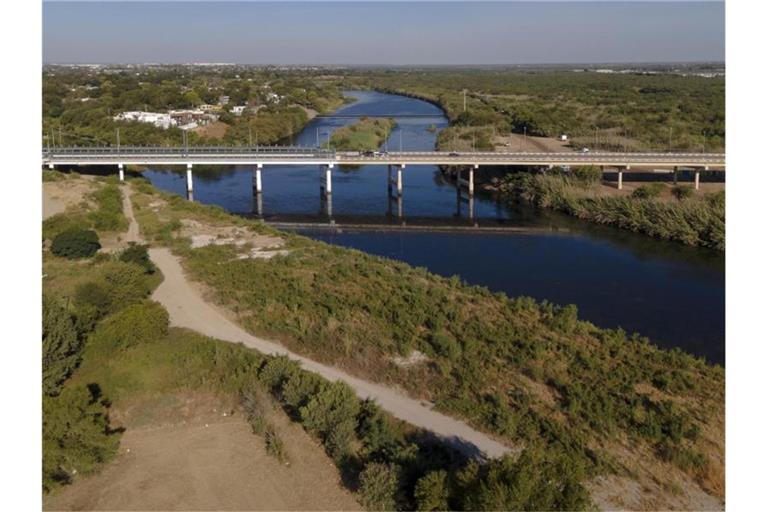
212	463
188	309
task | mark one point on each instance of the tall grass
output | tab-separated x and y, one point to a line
692	221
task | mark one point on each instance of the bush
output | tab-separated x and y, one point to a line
540	479
138	254
332	415
127	283
76	243
61	346
77	437
588	174
138	323
432	491
379	486
682	191
648	191
274	444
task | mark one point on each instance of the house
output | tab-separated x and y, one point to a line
158	119
223	100
563	137
238	110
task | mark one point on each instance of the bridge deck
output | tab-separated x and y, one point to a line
314	156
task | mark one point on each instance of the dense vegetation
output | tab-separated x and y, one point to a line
607	111
690	220
532	373
367	134
79	103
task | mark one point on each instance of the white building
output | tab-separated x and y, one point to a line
158	119
238	110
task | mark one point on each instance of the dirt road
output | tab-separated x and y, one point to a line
211	463
188	309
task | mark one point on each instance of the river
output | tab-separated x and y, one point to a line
671	293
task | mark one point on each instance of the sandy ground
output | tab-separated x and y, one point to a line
187	308
517	142
212	462
215	130
60	195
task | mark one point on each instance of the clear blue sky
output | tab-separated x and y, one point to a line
387	33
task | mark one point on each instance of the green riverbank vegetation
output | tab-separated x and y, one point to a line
648	109
594	402
366	134
112	362
655	209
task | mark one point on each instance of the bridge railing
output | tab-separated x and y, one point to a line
186	150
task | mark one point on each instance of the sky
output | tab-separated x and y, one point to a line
383	33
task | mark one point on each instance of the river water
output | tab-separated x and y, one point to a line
671	293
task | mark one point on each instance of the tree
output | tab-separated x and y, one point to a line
379	486
76	243
61	346
432	491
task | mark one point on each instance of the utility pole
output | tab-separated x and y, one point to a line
670	139
465	99
250	139
60	143
525	133
595	137
118	139
401	139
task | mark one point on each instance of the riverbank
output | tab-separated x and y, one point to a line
676	213
360	313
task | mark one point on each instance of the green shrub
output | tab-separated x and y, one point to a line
682	191
109	214
300	387
588	174
539	479
650	191
445	345
377	431
143	322
379	486
77	437
332	415
274	444
138	254
61	346
432	491
127	283
76	243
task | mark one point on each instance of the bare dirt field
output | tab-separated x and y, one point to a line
215	130
517	142
209	460
60	195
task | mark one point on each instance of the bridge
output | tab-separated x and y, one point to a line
259	156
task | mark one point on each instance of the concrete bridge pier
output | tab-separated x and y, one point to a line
696	176
190	191
400	169
674	175
326	182
258	204
121	172
51	167
257	179
621	176
471	181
